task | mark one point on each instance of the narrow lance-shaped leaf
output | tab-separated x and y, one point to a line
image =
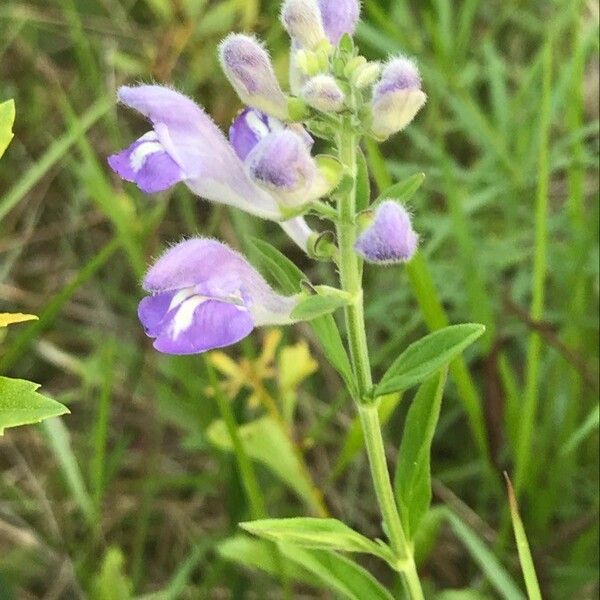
412	482
428	355
338	573
20	404
313	307
317	533
402	191
525	558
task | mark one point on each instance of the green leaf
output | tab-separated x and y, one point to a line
425	357
412	482
260	554
282	269
312	307
403	190
289	278
265	442
7	119
327	534
363	184
329	337
338	573
20	404
489	564
525	558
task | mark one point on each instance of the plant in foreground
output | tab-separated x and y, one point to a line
20	403
203	295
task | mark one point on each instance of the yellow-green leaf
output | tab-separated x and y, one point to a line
7	118
20	404
7	319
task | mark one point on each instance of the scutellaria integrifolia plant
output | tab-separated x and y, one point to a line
203	295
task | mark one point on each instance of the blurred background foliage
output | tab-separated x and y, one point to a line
137	489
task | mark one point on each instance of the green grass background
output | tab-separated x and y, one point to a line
508	214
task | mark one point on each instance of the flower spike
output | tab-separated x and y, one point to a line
397	97
248	67
204	295
389	238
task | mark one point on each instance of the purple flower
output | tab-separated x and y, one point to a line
248	67
397	97
323	93
390	238
186	145
204	295
339	17
302	20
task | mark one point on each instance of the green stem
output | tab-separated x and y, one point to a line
350	269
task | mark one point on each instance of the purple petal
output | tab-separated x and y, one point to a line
282	162
339	17
147	164
248	128
390	238
214	270
198	325
152	311
208	162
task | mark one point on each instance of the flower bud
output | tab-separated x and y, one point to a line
389	238
248	67
366	75
282	163
323	93
339	17
302	20
397	97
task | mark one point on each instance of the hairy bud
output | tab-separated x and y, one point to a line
323	93
397	97
302	20
389	238
248	67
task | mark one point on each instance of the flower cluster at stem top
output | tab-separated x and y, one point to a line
202	294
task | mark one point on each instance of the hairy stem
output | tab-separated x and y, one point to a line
350	270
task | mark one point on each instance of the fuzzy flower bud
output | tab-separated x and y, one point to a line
389	238
397	97
323	93
366	75
302	20
248	67
282	164
339	17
